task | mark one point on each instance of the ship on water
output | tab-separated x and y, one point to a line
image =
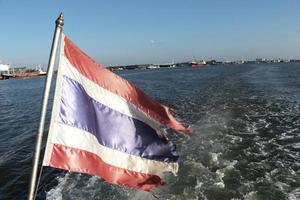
6	72
198	63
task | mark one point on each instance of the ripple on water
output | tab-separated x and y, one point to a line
245	143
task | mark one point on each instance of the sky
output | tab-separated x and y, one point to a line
118	32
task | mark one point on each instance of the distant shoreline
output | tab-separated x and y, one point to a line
144	67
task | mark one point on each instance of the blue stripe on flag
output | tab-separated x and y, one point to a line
111	128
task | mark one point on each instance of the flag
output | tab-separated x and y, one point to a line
103	125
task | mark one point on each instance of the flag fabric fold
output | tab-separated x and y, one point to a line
103	125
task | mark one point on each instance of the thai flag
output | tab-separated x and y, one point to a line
105	126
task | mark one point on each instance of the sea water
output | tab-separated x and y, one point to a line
245	142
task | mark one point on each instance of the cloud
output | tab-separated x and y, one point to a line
155	42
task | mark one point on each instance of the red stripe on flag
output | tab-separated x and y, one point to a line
110	81
77	160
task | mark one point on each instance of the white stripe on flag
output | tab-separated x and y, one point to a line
77	138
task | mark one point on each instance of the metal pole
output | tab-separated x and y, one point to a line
59	24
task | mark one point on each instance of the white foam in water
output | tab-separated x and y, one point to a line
251	196
221	173
220	184
296	145
77	186
198	185
294	195
56	193
282	186
142	195
71	185
92	181
251	129
214	159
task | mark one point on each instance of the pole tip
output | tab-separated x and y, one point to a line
60	20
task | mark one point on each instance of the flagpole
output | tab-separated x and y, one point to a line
58	28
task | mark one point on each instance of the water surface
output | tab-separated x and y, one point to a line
245	143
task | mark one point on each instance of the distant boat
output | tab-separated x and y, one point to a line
41	72
198	64
153	66
27	74
31	73
9	73
5	71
